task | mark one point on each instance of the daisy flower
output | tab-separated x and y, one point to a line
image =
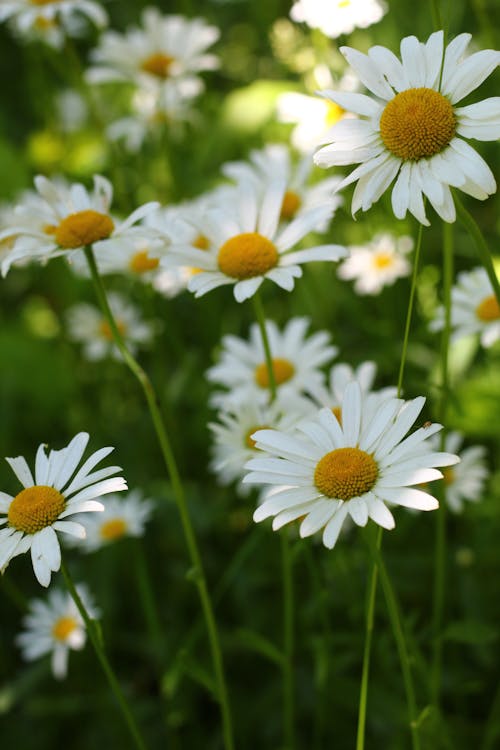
474	308
464	482
54	626
354	469
248	243
50	20
275	161
337	16
297	360
67	220
33	516
377	264
87	325
411	130
166	46
122	517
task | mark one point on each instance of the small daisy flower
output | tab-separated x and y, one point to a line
338	16
67	220
51	20
88	326
474	308
248	243
354	469
56	493
297	360
377	264
166	46
233	445
122	517
55	626
466	481
411	130
275	161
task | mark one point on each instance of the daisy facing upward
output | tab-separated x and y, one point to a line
410	129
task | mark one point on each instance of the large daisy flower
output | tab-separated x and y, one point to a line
247	243
355	469
296	359
49	501
411	129
66	220
55	626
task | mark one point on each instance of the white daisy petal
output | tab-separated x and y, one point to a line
333	527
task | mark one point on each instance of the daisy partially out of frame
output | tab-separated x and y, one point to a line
66	219
54	626
49	501
51	20
248	243
337	17
331	471
474	308
411	130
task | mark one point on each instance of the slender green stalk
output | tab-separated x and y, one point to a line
370	616
409	311
492	726
286	563
261	320
437	21
481	245
198	575
148	603
398	631
94	635
440	541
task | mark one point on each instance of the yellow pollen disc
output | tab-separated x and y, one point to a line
291	204
337	413
63	627
249	441
382	260
113	529
141	262
106	332
201	242
417	123
345	473
50	228
42	23
42	2
448	475
35	508
247	255
334	113
344	3
488	309
158	64
282	368
83	228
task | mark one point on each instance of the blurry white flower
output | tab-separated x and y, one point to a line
55	626
340	375
123	516
464	482
337	17
88	326
51	20
377	264
474	308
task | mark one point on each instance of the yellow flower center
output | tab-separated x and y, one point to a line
247	255
43	2
249	441
283	370
334	113
63	627
382	260
141	262
43	24
83	228
113	529
158	64
417	123
337	413
291	204
106	332
345	473
344	3
448	475
488	309
201	242
35	508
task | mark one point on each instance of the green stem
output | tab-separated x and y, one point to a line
288	642
148	603
409	312
198	574
95	637
370	616
481	245
261	320
492	729
399	636
436	15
